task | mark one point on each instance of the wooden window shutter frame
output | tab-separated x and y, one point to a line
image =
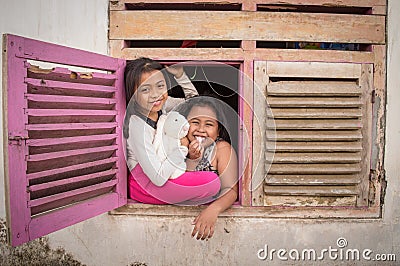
317	130
63	145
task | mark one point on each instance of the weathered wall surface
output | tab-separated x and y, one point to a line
124	240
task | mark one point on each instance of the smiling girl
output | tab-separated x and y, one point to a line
147	97
210	150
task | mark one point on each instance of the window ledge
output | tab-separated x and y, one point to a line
139	209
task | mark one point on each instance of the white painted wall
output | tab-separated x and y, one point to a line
74	23
121	240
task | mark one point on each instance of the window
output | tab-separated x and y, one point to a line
64	143
64	156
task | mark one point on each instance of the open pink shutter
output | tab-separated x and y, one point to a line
64	160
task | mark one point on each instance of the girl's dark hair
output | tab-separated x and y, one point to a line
133	72
132	75
215	105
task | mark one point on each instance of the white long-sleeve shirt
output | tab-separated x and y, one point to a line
139	145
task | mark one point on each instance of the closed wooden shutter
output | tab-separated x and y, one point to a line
317	133
64	155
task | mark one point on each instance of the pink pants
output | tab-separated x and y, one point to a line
191	188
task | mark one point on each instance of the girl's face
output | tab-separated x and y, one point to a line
151	93
203	123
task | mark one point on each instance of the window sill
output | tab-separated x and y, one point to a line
139	209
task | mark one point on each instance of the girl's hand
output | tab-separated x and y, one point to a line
195	149
176	70
204	223
185	142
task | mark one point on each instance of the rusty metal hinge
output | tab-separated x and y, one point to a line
16	139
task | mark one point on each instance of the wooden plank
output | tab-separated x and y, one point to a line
312	124
117	49
320	146
122	176
343	102
39	166
298	113
313	70
312	180
48	52
83	101
379	124
311	190
69	181
178	5
313	88
71	126
119	4
313	55
319	213
319	169
242	25
232	54
246	132
68	201
82	89
310	201
15	182
75	192
366	82
73	145
313	135
314	157
73	168
66	75
69	112
259	134
69	140
69	153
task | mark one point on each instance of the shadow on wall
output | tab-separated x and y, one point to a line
36	252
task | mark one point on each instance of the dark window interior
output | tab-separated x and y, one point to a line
217	80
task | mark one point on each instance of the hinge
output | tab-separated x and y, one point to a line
16	139
373	96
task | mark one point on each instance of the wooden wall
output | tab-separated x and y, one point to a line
251	31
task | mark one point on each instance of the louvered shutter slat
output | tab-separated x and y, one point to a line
325	179
326	146
313	135
63	172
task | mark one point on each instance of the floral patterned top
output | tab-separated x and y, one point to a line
205	162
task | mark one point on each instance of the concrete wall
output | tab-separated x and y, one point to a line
124	240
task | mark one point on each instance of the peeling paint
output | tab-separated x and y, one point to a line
36	252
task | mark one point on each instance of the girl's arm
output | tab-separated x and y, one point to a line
141	142
187	86
183	80
228	167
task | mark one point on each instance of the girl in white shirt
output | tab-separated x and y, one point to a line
147	97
